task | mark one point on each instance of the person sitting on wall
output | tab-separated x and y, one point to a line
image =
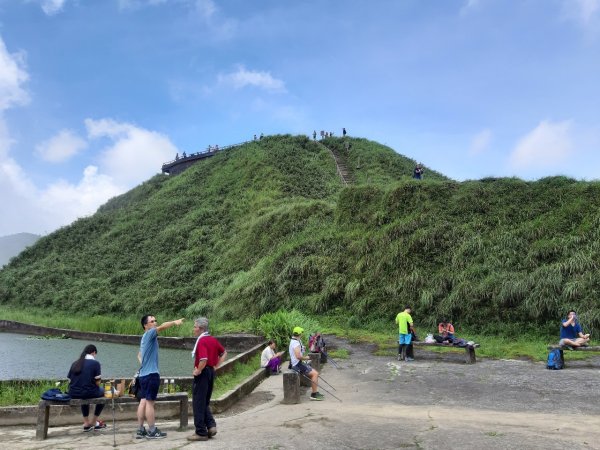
84	382
297	359
271	360
571	334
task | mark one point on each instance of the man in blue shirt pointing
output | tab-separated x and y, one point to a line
149	376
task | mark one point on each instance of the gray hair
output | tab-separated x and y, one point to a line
202	322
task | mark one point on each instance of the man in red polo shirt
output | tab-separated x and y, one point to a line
208	354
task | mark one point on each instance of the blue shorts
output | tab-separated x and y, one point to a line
302	368
405	339
149	385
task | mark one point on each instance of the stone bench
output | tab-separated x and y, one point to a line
44	407
292	381
469	349
575	349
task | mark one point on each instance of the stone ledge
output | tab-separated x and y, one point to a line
232	342
71	415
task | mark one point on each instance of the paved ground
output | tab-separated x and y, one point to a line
435	402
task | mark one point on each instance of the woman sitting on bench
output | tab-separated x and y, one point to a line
84	382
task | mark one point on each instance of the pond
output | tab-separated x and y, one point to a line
32	357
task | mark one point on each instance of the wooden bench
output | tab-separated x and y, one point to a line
44	406
469	349
575	349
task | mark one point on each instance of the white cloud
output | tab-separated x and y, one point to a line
61	147
242	78
12	77
136	4
469	5
480	142
135	153
586	9
51	7
72	201
206	8
583	11
548	145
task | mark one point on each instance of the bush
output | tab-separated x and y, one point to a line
279	325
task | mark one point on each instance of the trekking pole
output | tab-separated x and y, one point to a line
330	359
308	378
324	381
335	364
321	378
112	389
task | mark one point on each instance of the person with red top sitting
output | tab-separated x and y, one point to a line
446	330
208	354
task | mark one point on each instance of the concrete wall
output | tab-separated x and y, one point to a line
71	415
232	342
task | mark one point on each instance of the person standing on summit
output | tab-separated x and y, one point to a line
149	376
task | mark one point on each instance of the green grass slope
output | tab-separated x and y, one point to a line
268	225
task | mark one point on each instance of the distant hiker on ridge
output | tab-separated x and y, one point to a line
418	172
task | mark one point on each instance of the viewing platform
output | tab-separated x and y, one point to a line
181	163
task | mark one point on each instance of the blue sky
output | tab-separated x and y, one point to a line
95	95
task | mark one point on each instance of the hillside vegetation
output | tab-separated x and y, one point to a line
268	225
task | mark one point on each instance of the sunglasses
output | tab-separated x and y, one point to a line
151	321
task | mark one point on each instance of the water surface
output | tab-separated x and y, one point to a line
29	357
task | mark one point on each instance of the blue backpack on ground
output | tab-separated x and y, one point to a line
55	395
555	362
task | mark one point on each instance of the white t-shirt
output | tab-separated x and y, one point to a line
293	344
266	356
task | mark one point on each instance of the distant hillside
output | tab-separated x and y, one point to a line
269	225
14	244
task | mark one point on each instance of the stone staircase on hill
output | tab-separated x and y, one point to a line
342	165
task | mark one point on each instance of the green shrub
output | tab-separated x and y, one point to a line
279	325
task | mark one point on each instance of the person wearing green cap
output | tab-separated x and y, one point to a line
296	360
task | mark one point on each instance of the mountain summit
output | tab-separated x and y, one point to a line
271	225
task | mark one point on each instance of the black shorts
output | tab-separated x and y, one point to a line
149	385
302	368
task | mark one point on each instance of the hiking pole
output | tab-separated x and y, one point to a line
321	378
330	359
112	390
308	378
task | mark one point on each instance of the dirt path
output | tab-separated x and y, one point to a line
434	402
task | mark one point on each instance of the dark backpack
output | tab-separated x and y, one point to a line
555	362
55	395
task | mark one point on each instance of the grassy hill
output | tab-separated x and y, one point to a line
268	225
